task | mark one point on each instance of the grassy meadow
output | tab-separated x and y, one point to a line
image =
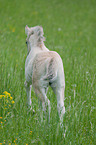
70	29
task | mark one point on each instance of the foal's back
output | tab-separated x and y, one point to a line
48	67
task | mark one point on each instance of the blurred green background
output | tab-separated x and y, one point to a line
70	29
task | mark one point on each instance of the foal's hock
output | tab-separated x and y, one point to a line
43	68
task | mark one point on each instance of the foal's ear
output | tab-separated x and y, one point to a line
26	29
39	30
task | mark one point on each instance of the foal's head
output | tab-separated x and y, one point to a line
34	36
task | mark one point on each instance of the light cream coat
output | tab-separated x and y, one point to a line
43	68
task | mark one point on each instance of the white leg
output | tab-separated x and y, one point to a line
41	93
46	102
44	105
28	91
60	102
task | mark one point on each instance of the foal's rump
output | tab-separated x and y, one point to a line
47	67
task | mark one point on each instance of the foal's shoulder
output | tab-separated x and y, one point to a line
50	54
47	55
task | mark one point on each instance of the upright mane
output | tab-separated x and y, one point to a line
40	37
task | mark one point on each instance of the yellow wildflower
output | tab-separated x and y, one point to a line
9	143
0	143
12	102
0	117
7	94
1	96
9	105
11	98
30	132
4	142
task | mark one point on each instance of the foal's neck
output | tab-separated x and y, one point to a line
39	48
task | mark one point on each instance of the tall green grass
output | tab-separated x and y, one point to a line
70	29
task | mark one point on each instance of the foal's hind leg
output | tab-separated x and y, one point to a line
60	103
41	93
59	91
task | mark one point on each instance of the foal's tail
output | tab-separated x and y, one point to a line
52	69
